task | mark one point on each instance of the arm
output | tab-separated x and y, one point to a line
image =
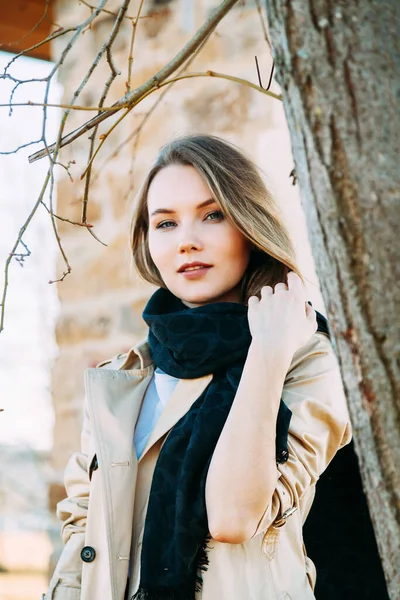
245	489
249	494
243	474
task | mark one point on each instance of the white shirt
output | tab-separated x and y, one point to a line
156	397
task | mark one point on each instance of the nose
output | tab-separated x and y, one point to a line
188	246
189	238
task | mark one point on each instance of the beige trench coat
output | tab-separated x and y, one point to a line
104	514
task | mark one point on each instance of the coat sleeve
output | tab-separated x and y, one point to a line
65	583
319	427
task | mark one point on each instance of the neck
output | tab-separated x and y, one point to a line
233	295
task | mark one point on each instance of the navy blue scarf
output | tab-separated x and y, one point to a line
188	343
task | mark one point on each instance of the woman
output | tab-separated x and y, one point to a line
202	445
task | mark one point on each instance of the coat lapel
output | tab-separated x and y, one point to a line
185	394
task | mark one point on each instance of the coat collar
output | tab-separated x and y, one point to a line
137	362
137	357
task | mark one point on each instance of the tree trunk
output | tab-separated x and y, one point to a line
338	64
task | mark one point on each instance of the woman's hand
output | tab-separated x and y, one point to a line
282	319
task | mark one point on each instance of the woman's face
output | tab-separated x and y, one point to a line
199	254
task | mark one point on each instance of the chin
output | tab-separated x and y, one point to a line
201	297
198	299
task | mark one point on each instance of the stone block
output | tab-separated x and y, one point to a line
219	106
130	318
156	21
76	328
97	269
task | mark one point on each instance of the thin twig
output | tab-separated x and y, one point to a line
21	256
133	36
263	25
259	75
17	242
63	276
254	86
27	51
103	138
76	94
15	80
114	72
66	106
20	147
67	168
59	218
114	14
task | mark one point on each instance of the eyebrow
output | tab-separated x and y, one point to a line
168	211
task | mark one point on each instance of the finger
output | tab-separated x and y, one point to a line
252	301
296	285
281	287
310	312
266	290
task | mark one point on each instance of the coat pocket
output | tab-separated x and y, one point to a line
58	590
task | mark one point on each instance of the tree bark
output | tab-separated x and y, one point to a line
338	64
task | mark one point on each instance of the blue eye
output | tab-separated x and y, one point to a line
165	225
216	215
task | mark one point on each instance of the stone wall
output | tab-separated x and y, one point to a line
101	300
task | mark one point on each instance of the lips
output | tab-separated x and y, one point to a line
193	267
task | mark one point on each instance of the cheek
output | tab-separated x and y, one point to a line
155	249
237	249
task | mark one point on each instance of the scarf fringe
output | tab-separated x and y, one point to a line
165	593
202	562
161	594
142	594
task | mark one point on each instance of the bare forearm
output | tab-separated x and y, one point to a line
242	474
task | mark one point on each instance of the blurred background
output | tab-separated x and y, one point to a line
53	332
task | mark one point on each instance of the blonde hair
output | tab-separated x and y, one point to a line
238	188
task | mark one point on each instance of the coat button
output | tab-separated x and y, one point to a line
88	554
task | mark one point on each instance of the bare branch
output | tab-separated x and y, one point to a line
132	98
20	147
114	73
87	225
63	276
130	58
66	106
263	24
14	249
20	256
254	86
53	36
114	14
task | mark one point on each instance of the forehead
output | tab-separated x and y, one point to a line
177	185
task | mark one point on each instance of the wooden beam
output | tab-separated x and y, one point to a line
22	25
